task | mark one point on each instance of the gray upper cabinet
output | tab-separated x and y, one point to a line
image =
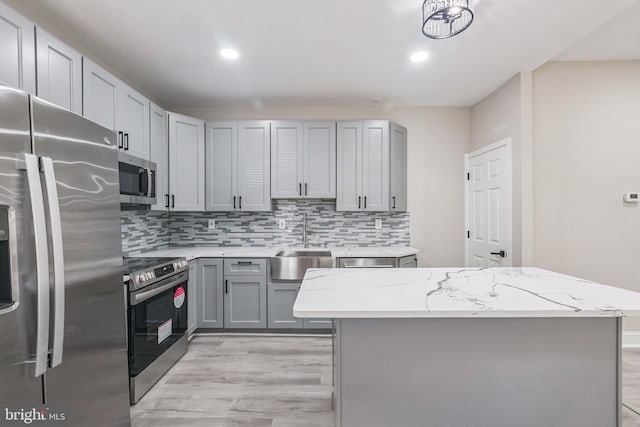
100	95
210	310
286	160
238	166
17	50
133	120
375	166
398	141
159	154
59	72
319	166
114	105
303	160
349	166
245	301
364	172
186	163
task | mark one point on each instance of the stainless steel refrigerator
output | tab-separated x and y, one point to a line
62	309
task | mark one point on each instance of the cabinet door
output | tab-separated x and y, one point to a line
286	160
375	166
320	160
245	302
310	323
59	72
410	261
398	143
186	163
210	294
254	166
281	298
159	154
221	160
133	120
17	50
349	166
99	95
192	295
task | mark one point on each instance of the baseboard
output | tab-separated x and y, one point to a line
631	339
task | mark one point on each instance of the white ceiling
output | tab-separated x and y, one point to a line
317	52
619	39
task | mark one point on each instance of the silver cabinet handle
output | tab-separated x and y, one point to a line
42	264
58	261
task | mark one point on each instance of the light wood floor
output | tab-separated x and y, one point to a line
274	381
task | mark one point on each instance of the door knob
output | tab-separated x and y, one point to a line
502	254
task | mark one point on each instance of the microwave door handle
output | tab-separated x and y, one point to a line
149	177
58	261
42	264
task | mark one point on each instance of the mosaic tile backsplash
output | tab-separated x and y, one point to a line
143	231
326	227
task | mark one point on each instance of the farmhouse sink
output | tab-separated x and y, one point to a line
291	264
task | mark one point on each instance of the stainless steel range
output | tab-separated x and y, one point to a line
156	318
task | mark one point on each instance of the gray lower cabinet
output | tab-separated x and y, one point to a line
318	323
210	289
245	302
410	261
192	304
281	297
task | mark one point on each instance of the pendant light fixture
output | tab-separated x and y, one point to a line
442	19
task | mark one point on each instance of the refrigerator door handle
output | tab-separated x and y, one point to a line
42	264
58	261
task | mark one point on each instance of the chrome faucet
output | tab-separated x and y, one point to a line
305	236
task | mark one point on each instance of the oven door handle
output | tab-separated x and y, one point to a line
143	295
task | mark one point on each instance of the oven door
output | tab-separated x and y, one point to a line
157	319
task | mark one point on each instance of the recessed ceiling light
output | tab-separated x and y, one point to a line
420	56
229	54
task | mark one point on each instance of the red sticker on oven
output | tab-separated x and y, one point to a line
178	297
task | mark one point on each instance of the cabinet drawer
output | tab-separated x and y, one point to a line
245	267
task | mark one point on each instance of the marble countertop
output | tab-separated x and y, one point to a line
270	251
457	292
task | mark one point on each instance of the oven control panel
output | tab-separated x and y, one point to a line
151	275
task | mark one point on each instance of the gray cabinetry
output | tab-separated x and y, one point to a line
281	297
245	293
159	154
238	166
245	302
410	261
59	72
186	163
100	95
210	290
133	120
192	292
398	142
17	50
303	160
371	175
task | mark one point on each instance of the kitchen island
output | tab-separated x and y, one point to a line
471	347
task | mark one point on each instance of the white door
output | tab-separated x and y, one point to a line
159	154
221	171
100	95
133	119
254	166
319	160
17	50
349	166
375	166
286	160
488	206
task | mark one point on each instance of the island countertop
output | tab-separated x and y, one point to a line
457	292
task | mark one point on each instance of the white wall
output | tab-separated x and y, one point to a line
586	154
437	141
505	114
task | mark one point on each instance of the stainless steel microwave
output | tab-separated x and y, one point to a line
137	180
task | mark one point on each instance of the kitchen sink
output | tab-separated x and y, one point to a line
292	264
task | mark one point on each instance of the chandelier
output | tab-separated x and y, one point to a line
442	19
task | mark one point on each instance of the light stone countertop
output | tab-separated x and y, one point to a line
191	253
457	292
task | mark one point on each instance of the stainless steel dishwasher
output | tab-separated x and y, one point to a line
367	263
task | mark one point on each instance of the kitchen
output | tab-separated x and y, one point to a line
239	169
